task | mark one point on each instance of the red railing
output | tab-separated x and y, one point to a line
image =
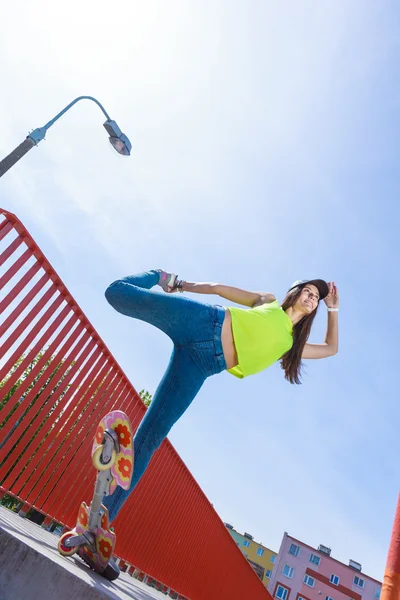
58	378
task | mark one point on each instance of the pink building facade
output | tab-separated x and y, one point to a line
302	572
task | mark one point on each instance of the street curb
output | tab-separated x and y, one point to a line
31	568
25	574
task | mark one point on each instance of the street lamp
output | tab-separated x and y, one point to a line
117	139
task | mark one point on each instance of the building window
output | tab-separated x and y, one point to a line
281	592
377	594
358	582
268	573
334	579
294	549
272	559
315	559
310	581
260	551
288	571
246	543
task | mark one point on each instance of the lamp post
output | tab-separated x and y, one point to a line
118	140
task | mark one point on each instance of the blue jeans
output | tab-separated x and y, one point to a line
195	329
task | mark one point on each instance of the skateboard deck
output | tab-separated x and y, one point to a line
92	537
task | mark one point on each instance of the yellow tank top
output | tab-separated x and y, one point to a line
262	335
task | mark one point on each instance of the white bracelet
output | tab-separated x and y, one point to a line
333	310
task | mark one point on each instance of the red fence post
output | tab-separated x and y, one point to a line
391	579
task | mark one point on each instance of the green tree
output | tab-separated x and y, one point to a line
146	397
12	394
46	371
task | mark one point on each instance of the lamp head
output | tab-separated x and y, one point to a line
118	140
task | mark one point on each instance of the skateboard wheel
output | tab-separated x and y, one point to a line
62	548
111	572
97	461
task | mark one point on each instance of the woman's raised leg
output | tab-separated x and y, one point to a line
182	319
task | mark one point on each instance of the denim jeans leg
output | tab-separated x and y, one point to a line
184	320
179	386
195	329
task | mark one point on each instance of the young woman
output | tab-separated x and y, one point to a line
209	339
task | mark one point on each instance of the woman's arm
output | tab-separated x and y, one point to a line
229	293
331	344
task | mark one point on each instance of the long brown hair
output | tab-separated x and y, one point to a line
291	361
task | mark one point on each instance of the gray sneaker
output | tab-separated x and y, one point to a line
167	281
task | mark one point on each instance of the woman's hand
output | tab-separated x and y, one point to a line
332	299
331	344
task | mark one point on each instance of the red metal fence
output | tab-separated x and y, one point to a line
57	379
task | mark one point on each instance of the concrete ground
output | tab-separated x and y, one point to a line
32	569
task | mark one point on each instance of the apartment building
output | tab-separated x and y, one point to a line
302	572
260	557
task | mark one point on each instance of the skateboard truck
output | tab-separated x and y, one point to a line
96	512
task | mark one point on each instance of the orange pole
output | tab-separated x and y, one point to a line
391	579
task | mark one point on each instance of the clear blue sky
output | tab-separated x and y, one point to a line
265	149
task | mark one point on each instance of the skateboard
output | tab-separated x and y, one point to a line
112	456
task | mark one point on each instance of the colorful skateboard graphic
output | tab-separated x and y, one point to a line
112	456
